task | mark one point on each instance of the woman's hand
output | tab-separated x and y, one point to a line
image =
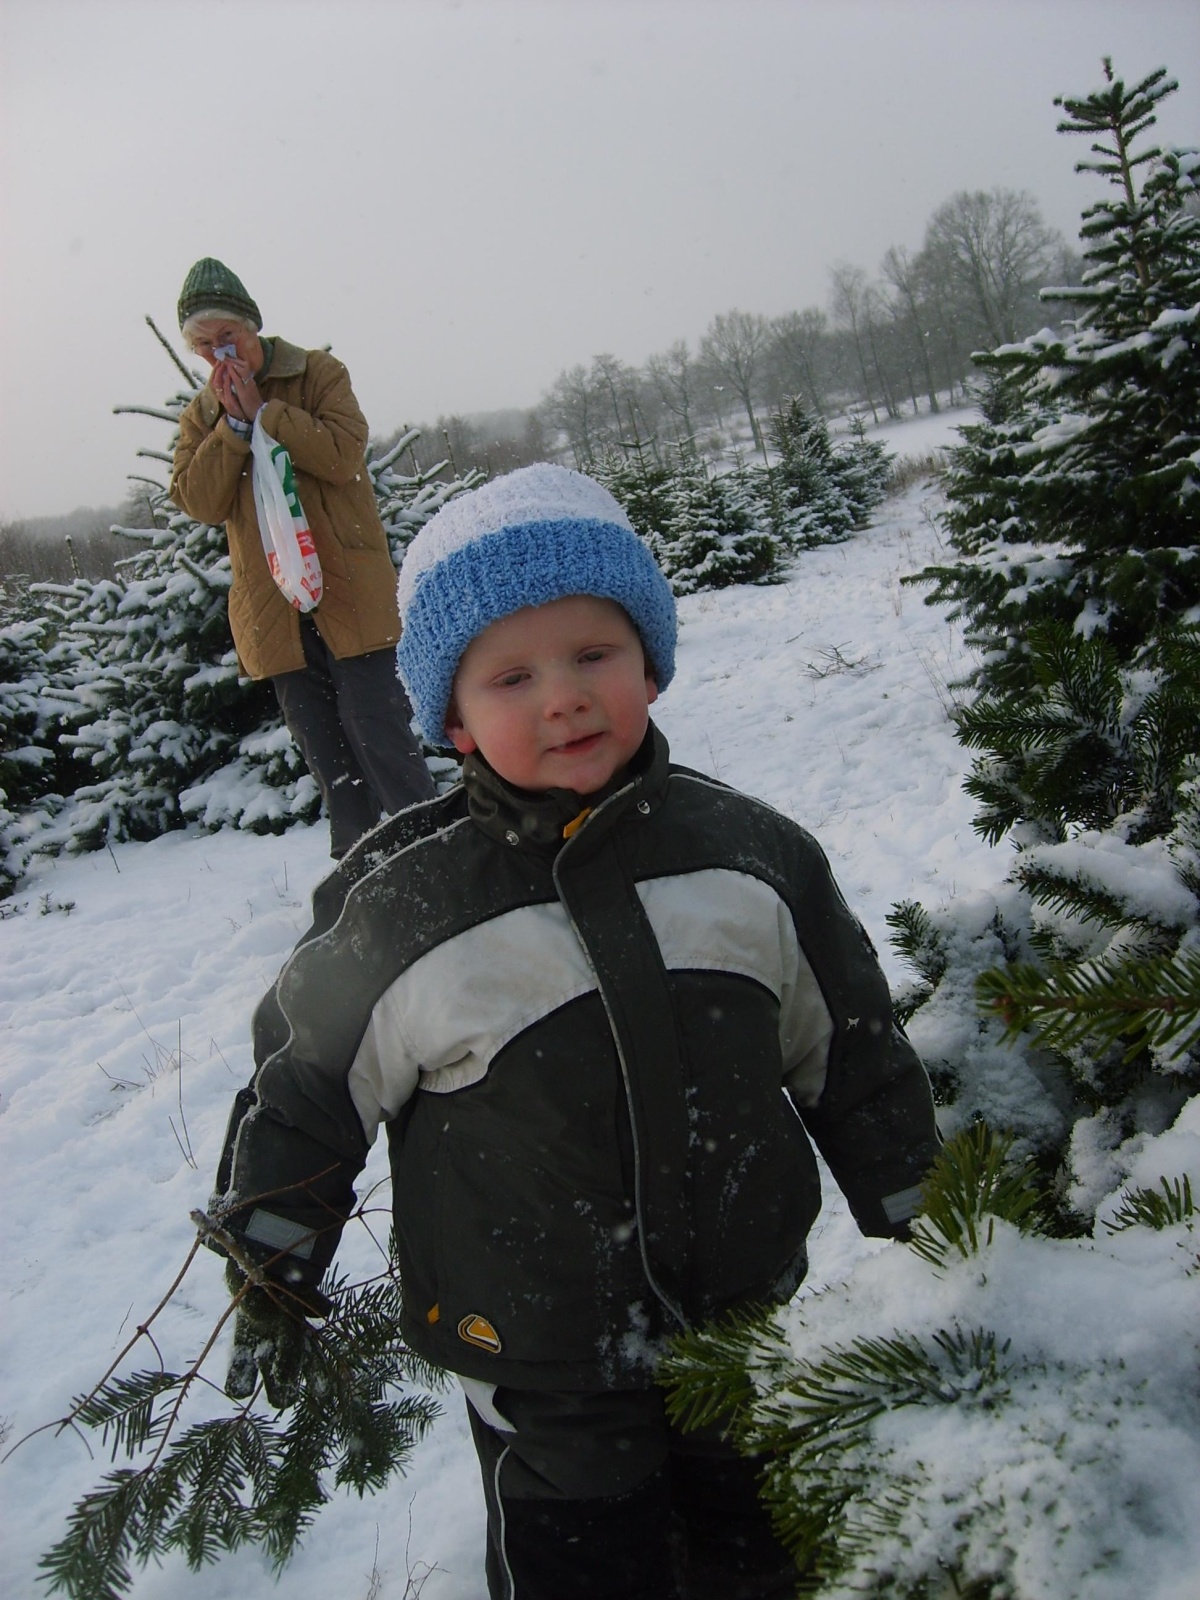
234	386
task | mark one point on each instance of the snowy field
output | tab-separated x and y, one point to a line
128	978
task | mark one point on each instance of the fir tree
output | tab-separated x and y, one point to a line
406	501
37	769
712	534
862	470
704	529
639	479
965	1455
819	493
1078	496
1073	507
162	724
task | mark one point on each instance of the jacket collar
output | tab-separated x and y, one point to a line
518	817
289	361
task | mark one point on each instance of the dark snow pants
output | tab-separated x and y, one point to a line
597	1497
351	720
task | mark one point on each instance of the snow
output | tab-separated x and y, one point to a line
128	978
1116	1397
1142	877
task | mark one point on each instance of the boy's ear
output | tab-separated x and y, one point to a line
457	733
651	689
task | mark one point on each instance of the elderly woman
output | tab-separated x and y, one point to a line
334	668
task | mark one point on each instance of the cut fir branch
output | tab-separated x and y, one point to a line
209	1487
1150	1005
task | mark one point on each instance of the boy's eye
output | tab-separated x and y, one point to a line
506	680
595	654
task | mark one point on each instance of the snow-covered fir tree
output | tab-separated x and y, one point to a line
1074	508
161	724
407	500
1077	498
818	492
995	1441
32	714
712	532
705	530
638	476
708	529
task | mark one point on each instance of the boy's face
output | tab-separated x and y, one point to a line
554	696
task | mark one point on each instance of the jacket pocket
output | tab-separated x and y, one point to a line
517	1258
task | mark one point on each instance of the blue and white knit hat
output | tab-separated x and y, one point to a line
535	535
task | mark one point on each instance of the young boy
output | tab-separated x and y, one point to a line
603	1004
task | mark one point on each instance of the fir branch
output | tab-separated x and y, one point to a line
124	1409
1147	1005
915	939
1075	896
971	1185
91	1561
707	1371
170	349
1147	1208
142	1331
808	1421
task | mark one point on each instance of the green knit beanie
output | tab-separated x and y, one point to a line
210	286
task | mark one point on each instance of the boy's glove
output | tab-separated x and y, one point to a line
271	1335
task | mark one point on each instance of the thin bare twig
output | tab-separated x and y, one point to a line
142	1330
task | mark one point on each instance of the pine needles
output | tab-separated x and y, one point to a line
1149	1005
1164	1207
971	1186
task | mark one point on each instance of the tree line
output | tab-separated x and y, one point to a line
899	342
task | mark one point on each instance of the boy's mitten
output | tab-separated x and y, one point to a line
271	1336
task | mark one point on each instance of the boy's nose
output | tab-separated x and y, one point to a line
565	692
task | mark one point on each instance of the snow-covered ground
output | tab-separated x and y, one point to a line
128	977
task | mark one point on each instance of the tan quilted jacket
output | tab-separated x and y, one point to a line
310	408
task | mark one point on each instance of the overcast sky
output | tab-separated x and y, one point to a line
463	197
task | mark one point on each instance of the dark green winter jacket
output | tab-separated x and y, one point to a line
600	1062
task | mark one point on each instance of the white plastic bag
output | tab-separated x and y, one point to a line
287	541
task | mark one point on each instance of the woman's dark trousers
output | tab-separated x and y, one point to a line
351	720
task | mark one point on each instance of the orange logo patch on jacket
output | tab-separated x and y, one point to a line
478	1331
